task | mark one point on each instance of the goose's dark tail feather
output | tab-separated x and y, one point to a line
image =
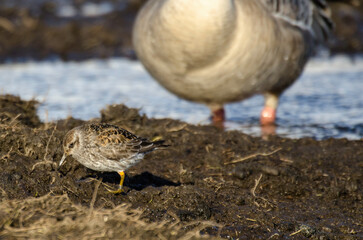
309	15
322	24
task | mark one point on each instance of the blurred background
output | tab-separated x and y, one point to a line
80	29
76	56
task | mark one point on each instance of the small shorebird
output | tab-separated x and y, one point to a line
220	51
105	147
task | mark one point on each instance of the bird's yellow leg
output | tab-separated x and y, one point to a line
122	175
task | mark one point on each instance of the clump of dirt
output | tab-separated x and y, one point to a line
13	108
214	182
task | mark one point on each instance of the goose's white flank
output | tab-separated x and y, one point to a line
220	51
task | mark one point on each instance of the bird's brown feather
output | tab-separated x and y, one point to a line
116	143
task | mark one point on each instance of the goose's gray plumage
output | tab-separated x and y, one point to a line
220	51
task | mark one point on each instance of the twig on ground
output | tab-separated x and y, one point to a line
177	219
177	128
3	193
252	156
274	235
251	220
94	196
294	233
7	156
107	186
265	202
42	163
47	146
13	120
45	161
284	159
257	181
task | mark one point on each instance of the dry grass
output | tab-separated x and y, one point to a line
56	217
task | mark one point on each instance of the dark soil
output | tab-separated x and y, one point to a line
34	30
284	189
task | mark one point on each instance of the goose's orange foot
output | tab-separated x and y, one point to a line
268	116
218	116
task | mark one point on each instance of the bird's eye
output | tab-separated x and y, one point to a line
71	145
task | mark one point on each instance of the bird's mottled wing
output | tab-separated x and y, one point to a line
115	143
310	15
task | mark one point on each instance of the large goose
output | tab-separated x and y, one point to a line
220	51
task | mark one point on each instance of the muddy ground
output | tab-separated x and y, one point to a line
209	182
34	30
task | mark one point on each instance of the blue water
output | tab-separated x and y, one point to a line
327	100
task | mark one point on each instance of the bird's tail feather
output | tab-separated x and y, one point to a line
151	146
